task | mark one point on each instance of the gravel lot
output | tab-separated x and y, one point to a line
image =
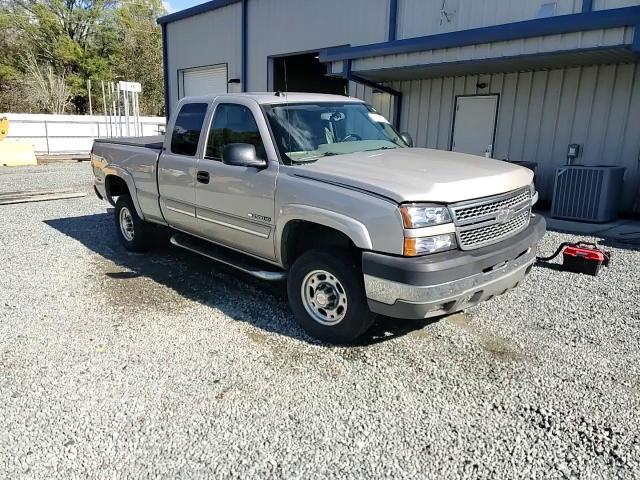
115	365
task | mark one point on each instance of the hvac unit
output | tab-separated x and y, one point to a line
589	194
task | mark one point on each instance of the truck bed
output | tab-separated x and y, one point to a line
155	141
137	159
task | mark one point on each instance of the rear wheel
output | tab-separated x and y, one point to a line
135	234
326	294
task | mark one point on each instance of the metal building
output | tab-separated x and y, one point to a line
514	79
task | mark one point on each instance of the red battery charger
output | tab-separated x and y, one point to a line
581	257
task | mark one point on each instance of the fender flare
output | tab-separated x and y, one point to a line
120	172
353	229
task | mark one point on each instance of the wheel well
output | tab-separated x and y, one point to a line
299	236
115	186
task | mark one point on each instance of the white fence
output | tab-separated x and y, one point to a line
57	134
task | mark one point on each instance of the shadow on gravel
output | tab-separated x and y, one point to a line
240	296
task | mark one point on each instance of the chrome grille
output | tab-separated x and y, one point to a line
491	219
479	211
477	237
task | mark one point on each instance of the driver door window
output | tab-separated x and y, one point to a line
233	123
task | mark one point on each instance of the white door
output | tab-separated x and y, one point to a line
203	81
475	123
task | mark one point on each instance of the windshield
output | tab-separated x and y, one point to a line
305	132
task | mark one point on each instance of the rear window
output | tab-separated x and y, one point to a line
186	132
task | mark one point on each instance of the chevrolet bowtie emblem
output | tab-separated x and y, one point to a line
504	215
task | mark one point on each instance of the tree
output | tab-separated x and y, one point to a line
72	41
45	88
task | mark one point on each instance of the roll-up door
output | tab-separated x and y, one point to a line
203	81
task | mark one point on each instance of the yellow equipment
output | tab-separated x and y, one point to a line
4	127
14	152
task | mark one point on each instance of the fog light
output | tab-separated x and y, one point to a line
426	245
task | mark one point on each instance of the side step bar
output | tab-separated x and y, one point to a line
254	267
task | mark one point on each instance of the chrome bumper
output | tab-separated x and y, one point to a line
408	301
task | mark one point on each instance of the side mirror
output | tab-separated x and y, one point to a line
242	155
407	138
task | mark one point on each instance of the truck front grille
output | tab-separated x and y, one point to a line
490	220
476	212
478	237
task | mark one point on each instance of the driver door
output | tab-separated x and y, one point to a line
234	204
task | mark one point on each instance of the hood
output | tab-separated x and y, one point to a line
419	174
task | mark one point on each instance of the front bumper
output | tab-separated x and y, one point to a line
451	281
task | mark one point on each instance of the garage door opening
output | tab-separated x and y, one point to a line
209	80
305	73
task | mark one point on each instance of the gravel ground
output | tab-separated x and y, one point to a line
115	365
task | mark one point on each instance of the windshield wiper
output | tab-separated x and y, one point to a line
381	148
315	158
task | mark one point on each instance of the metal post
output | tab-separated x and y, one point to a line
46	136
116	111
125	97
90	107
104	107
138	126
116	94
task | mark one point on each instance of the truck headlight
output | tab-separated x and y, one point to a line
419	216
432	244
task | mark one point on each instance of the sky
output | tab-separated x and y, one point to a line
175	5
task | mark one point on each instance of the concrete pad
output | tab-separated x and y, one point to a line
621	229
16	153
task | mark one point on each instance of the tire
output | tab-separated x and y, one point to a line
338	276
134	234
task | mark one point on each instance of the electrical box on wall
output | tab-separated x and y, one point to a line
573	152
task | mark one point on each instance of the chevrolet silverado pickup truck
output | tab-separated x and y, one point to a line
322	191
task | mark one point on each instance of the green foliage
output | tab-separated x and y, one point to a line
80	40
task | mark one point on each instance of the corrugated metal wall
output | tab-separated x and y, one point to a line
382	102
278	27
609	37
540	114
428	17
207	39
606	4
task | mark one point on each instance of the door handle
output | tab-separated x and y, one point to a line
202	176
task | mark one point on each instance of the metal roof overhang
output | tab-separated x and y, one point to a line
389	67
577	22
520	63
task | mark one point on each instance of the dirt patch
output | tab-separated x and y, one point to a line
500	348
132	291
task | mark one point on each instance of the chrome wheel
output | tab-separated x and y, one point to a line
324	297
126	224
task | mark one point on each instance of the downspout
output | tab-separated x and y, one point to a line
347	75
165	71
587	6
245	46
393	20
635	46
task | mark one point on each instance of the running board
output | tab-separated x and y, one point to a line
250	266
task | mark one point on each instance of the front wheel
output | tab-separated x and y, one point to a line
326	294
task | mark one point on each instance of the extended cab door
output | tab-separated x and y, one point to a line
234	204
177	167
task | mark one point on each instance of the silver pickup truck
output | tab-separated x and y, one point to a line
323	191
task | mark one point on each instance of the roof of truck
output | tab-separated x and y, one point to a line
281	97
